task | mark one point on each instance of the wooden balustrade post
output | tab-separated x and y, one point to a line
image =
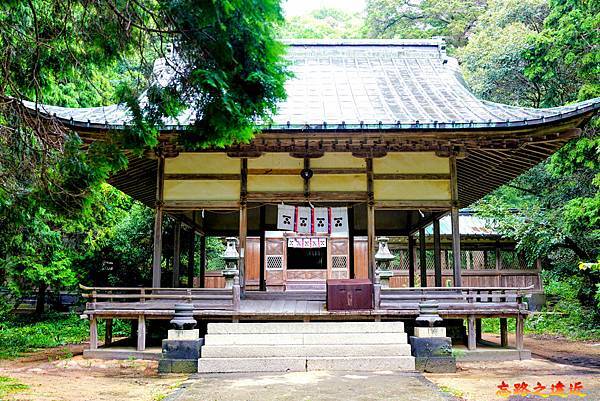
437	253
176	253
236	293
422	257
93	333
141	333
411	261
478	330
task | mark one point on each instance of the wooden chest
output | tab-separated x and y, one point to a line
349	294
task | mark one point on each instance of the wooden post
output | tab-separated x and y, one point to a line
370	220
158	219
437	252
262	284
243	221
202	261
108	332
503	332
411	261
93	332
422	257
456	247
471	339
191	255
498	265
351	242
176	253
141	333
478	333
519	332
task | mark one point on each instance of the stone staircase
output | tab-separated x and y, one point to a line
297	346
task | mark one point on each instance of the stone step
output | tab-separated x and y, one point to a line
235	365
269	351
309	327
305	338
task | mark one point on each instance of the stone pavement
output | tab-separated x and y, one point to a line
316	385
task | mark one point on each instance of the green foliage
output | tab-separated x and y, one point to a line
214	249
325	23
9	385
402	19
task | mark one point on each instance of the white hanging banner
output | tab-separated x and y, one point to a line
339	220
286	217
304	220
321	220
307	242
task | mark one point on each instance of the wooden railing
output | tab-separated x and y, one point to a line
147	298
457	300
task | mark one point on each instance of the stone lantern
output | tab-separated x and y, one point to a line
383	259
231	258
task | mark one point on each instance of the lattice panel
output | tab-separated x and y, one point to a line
339	262
274	262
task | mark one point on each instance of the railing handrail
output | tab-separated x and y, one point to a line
85	288
531	287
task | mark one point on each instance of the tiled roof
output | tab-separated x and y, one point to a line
362	84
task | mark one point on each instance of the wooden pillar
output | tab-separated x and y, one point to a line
478	333
411	261
370	219
456	247
108	332
519	332
471	339
351	241
498	265
243	222
262	284
503	332
202	261
141	333
158	220
176	252
191	255
422	257
437	252
93	332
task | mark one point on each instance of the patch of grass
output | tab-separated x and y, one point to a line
452	391
24	334
9	385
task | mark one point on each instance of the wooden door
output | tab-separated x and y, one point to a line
361	258
252	263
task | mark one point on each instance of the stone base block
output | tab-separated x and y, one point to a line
441	364
430	332
178	366
431	347
183	334
181	349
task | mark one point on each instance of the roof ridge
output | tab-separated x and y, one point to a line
364	42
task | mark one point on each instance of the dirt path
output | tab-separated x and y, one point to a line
568	362
76	379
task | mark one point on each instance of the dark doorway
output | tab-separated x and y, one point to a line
306	258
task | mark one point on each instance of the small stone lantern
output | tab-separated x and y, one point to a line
231	258
383	259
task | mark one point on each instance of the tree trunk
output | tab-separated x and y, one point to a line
41	298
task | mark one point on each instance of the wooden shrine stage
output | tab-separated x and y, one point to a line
225	304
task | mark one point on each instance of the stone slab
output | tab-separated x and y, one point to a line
181	349
235	365
305	327
443	364
178	366
193	334
401	363
431	347
430	332
257	351
299	339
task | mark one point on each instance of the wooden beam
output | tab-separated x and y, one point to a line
520	322
158	219
437	253
351	241
306	185
422	257
141	333
243	222
411	261
176	253
262	284
456	247
204	177
333	196
418	177
427	205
